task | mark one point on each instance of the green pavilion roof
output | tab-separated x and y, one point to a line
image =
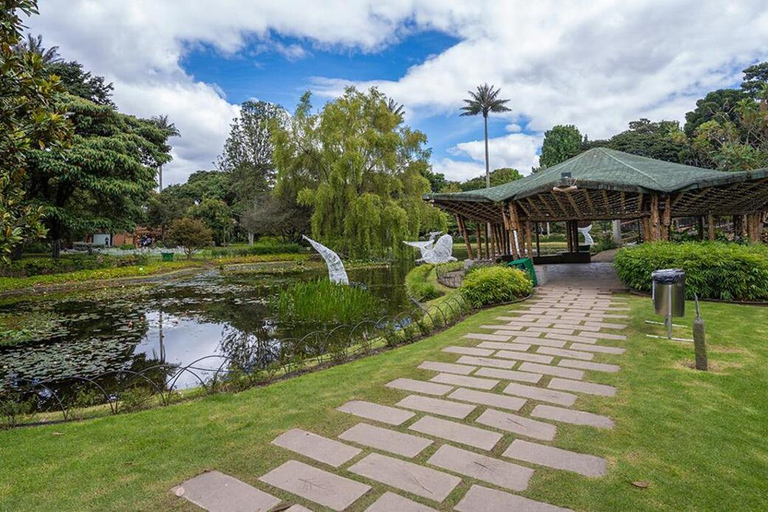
607	169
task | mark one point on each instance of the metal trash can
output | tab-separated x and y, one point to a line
669	292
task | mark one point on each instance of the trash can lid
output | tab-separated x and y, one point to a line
668	275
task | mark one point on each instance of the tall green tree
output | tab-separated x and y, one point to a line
360	170
560	143
484	101
217	216
167	127
31	119
498	177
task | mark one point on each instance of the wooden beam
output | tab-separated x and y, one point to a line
573	203
655	220
667	218
562	208
529	242
711	226
640	202
623	201
525	210
465	234
479	242
607	202
538	240
547	205
589	201
533	206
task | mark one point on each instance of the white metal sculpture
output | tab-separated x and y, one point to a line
336	271
587	237
440	252
424	246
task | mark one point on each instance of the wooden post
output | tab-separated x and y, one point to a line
667	218
646	223
479	243
655	221
528	237
711	226
700	227
568	236
516	251
487	241
538	240
463	229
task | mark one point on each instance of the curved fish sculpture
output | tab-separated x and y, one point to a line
424	246
441	252
588	240
336	272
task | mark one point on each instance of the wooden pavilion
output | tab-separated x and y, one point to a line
604	184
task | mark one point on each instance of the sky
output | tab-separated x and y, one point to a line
598	64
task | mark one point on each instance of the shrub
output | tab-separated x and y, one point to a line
417	286
495	285
190	234
326	302
713	270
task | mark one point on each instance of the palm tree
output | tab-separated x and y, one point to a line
396	108
164	124
34	44
484	101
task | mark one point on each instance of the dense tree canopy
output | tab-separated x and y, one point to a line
360	170
560	143
498	177
649	139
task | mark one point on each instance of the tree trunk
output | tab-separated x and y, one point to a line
250	238
55	234
160	177
487	165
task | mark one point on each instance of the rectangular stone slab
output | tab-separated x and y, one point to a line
605	325
468	351
540	341
571	416
589	388
386	440
518	424
316	447
541	394
484	361
452	431
597	348
493	399
488	469
376	412
604	336
316	485
524	356
436	406
557	371
297	508
480	498
486	337
419	386
504	346
509	332
509	375
446	367
566	337
391	502
586	365
561	352
217	492
406	476
462	380
554	330
583	464
577	327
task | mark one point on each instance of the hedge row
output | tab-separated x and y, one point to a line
494	284
418	287
716	270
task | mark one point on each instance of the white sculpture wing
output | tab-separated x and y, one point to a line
587	237
336	272
441	252
421	246
434	234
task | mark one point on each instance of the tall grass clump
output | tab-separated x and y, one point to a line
324	302
418	287
713	270
495	285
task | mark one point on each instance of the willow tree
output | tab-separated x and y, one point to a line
361	171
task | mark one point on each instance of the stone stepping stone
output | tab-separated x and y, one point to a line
482	398
390	502
436	406
386	440
217	492
586	365
565	337
509	375
516	320
457	432
505	327
597	348
467	382
549	412
541	394
469	351
316	447
486	337
518	425
316	485
376	412
482	361
488	469
524	356
589	388
537	331
504	346
544	342
587	465
605	325
419	386
480	498
297	508
447	367
565	353
566	373
579	327
604	336
406	476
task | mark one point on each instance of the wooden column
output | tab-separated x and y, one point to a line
538	241
479	242
646	223
655	219
515	218
700	227
711	226
465	234
528	238
666	218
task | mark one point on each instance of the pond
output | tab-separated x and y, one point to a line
159	327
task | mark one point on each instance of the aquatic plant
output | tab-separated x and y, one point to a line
322	301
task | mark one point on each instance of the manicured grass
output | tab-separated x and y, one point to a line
697	438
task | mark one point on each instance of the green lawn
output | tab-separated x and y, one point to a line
698	438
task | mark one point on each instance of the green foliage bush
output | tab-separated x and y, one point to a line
324	302
713	270
29	267
257	248
417	285
495	285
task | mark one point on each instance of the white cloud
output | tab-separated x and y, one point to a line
516	150
596	64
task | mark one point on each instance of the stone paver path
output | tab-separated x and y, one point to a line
485	411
